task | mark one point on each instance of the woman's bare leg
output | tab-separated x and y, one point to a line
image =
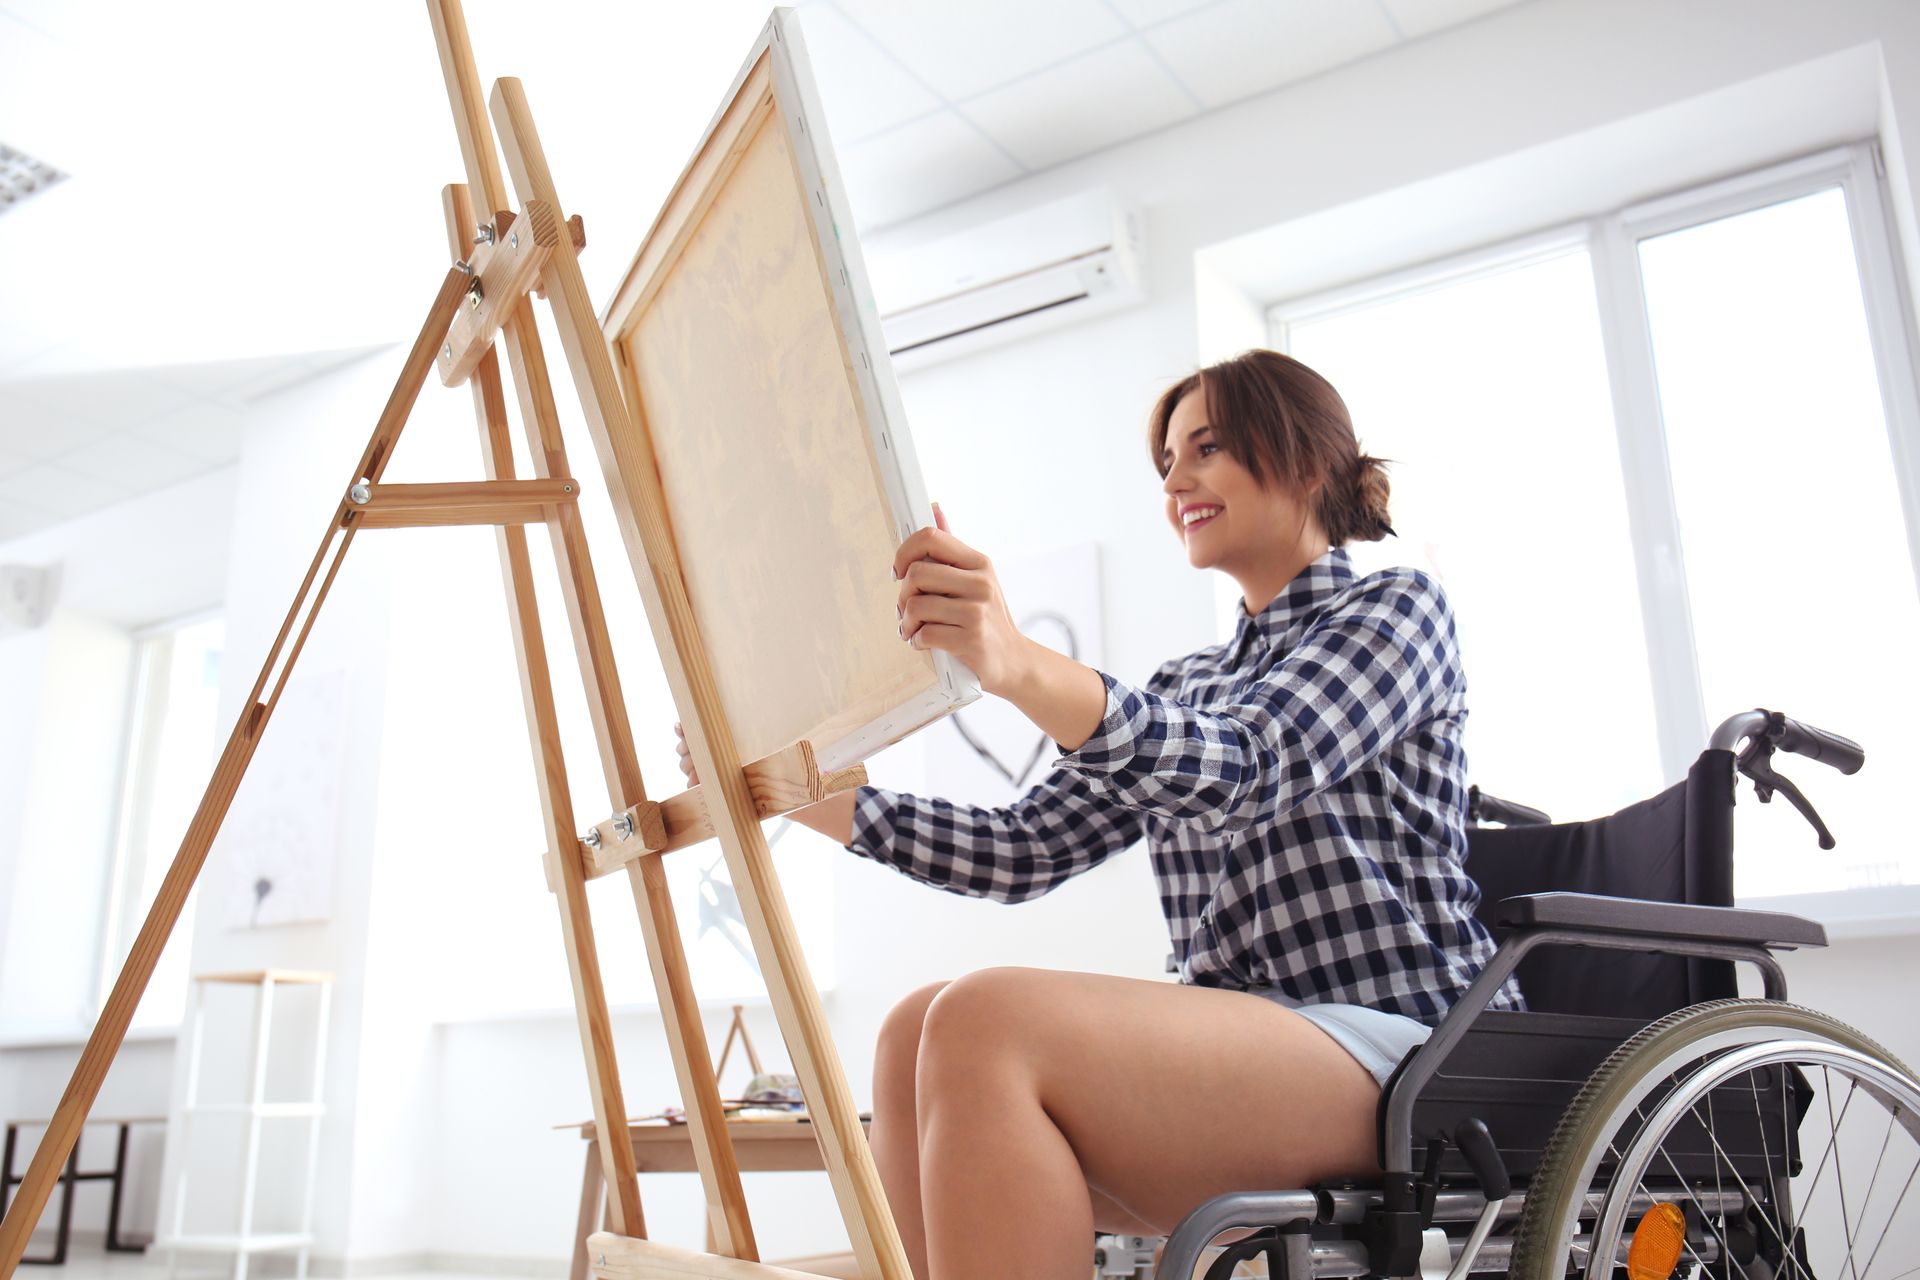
1035	1084
894	1133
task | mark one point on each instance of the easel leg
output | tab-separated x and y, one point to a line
84	1085
620	439
686	1038
591	1185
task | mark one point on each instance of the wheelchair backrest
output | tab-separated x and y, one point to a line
1675	847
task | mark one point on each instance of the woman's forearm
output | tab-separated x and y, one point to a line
830	817
1067	699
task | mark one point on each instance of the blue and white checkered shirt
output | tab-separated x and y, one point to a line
1302	790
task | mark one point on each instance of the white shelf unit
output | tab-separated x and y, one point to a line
245	1242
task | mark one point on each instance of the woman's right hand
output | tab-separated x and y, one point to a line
686	761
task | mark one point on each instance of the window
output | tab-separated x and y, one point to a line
1662	462
173	737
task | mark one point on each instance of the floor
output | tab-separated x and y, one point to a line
88	1262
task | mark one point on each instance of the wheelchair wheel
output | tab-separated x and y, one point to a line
1782	1142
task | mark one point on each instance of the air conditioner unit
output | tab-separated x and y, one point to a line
1050	265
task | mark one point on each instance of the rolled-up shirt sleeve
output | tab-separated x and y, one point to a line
1357	681
1058	829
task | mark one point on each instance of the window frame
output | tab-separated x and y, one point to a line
1611	240
120	916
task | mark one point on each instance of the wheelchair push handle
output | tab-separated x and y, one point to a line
1784	732
1767	731
1817	744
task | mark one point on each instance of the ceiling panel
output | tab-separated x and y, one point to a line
1418	17
132	463
963	49
1091	102
58	492
208	432
110	398
1238	48
863	88
29	429
920	166
1144	13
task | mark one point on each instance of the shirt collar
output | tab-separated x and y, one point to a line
1330	574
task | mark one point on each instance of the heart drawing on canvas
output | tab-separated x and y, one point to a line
1069	644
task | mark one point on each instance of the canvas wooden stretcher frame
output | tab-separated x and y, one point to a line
748	340
858	452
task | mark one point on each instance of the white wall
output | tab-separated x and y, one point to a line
440	1143
63	703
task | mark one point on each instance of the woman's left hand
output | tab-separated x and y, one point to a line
951	600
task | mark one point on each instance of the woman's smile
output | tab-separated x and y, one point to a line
1191	525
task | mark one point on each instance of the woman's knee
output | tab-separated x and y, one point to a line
898	1048
983	1029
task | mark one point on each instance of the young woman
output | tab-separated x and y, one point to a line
1302	792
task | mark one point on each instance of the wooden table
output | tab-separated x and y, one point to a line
659	1147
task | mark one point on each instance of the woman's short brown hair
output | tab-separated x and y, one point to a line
1277	417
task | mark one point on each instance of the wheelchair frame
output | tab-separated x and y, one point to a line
1390	1230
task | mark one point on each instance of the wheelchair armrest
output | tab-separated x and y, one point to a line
1600	913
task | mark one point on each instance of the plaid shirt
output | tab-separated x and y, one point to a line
1302	790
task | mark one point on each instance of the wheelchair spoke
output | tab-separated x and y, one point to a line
1846	1225
1718	1190
1718	1236
1785	1248
1873	1179
1892	1217
1835	1133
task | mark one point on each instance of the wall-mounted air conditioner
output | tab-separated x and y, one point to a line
1050	265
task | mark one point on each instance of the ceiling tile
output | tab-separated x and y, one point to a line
233	381
134	464
1091	102
863	89
963	49
1418	17
209	432
32	430
112	398
920	166
1145	13
1238	48
18	519
59	491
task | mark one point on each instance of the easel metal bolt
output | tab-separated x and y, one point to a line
473	297
361	493
483	233
592	838
513	239
623	826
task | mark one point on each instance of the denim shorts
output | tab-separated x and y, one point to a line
1376	1038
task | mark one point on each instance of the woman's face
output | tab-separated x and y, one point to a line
1249	525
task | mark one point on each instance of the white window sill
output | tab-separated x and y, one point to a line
1889	911
75	1037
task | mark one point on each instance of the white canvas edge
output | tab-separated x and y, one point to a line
801	115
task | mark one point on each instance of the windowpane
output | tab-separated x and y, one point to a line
169	763
1798	573
1490	396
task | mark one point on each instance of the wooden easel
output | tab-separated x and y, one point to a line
484	298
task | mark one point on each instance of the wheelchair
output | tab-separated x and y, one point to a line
1640	1120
